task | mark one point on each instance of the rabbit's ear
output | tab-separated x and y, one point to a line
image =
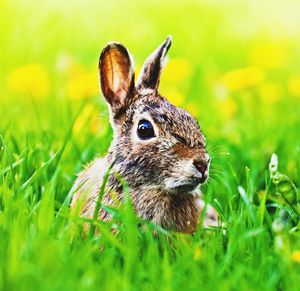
116	75
149	76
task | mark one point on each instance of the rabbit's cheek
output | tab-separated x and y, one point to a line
182	152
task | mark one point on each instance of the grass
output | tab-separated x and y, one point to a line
234	65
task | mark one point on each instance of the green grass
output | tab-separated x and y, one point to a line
47	136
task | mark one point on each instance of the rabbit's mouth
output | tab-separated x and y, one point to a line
186	188
183	187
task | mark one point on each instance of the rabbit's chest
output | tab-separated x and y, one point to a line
177	212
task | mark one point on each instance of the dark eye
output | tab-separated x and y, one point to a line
145	129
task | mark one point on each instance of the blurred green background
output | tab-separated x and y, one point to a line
235	65
229	59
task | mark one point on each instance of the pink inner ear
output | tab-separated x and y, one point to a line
119	77
121	95
116	74
119	82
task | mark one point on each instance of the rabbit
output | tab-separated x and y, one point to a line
158	149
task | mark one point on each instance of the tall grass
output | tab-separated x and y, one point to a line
234	65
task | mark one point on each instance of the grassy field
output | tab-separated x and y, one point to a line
234	64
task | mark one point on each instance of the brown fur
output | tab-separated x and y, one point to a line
160	172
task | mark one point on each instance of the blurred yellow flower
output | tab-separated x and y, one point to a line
83	85
177	70
80	82
267	56
294	86
29	79
242	78
270	92
227	107
89	120
99	125
81	121
197	254
296	256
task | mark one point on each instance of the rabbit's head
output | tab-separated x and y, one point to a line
156	144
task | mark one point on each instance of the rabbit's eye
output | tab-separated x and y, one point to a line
145	130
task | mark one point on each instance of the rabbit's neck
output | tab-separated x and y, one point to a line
179	212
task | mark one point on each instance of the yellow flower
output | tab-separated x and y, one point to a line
294	86
89	120
80	82
99	125
296	256
242	78
30	79
177	70
197	254
227	107
267	56
82	85
270	92
81	121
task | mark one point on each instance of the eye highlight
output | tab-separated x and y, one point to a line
145	130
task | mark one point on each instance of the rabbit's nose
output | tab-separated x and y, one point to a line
201	165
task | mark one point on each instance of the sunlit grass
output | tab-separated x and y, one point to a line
234	65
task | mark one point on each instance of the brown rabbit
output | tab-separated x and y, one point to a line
158	149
